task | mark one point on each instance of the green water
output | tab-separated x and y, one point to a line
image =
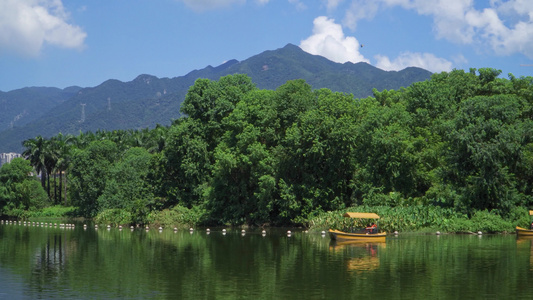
63	263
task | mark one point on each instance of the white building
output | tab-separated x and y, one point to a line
7	157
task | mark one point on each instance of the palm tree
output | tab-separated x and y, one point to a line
50	159
35	153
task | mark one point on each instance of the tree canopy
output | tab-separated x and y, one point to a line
461	141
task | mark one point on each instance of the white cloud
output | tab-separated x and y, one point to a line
26	25
328	40
298	4
505	27
203	5
426	61
360	10
332	4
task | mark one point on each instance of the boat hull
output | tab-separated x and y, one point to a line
363	237
524	232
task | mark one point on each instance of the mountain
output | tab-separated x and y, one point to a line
22	106
148	100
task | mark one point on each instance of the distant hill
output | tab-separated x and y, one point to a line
22	106
148	100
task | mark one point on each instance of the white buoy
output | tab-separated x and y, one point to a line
479	233
224	230
208	230
175	229
438	232
96	226
289	232
263	232
396	233
191	229
243	231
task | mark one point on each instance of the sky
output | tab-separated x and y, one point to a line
62	43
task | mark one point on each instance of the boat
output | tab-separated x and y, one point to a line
523	232
364	235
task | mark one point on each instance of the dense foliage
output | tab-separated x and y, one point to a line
459	145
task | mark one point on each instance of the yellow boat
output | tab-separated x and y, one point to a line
523	232
370	235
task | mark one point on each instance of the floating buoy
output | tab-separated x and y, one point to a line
263	232
479	233
96	226
289	232
160	228
396	233
208	230
438	232
175	229
224	230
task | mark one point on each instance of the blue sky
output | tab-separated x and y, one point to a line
62	43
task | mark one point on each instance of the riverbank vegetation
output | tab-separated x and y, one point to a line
453	153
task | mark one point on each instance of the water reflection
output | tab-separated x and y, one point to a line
359	256
51	263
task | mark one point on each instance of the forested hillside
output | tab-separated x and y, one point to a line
460	142
147	100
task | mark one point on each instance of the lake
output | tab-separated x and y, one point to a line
53	262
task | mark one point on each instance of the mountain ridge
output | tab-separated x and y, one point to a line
148	100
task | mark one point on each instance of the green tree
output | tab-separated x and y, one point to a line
127	187
19	190
89	174
487	138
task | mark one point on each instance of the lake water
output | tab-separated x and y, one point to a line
76	263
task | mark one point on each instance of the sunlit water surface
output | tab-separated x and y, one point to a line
53	262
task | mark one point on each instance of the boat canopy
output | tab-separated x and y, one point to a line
361	215
531	212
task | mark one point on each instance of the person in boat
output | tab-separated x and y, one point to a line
372	228
531	227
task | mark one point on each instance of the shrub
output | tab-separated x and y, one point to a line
178	216
114	216
486	221
56	211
